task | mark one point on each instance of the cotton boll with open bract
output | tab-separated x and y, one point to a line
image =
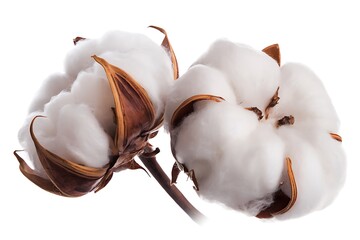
80	125
279	155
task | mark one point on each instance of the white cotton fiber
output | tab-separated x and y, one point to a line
303	95
152	70
254	167
251	73
220	142
97	95
199	135
77	105
52	86
79	137
79	58
147	62
27	143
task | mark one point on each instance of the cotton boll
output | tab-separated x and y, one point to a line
253	74
240	159
79	122
199	79
52	86
303	95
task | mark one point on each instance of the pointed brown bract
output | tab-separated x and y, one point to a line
257	111
134	116
282	203
65	177
274	52
187	107
184	110
175	171
336	137
166	44
135	113
273	101
78	39
33	176
287	120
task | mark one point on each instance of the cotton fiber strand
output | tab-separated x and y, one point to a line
239	156
78	123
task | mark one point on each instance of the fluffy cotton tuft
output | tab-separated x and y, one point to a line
199	79
78	123
250	73
230	151
239	159
303	95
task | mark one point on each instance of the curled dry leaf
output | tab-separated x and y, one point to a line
78	39
274	52
166	44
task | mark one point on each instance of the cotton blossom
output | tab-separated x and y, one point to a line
96	116
256	136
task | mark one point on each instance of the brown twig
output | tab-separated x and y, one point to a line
155	169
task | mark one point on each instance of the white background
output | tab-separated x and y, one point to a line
35	37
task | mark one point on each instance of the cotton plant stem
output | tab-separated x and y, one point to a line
155	169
